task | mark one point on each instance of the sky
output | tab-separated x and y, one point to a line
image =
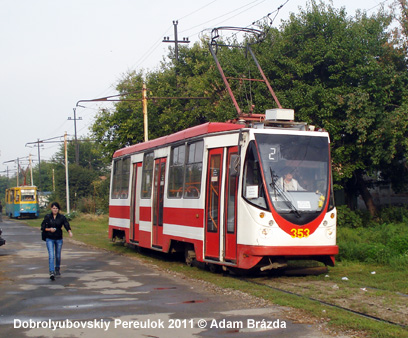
55	53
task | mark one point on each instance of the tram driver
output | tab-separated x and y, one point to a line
288	183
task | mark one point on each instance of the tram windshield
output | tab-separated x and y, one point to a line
296	170
27	195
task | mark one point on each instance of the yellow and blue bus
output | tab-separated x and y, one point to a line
22	201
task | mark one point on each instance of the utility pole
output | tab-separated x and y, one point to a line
39	165
31	170
176	41
144	102
17	160
39	158
39	162
66	171
53	179
76	140
18	171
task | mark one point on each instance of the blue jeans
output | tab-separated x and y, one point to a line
54	247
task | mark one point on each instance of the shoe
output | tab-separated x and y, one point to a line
57	272
52	276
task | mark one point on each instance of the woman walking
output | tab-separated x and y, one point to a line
52	228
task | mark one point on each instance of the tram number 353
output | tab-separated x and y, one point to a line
300	233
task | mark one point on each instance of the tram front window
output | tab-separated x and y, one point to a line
296	170
253	190
27	196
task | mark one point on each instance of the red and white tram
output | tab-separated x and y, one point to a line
228	194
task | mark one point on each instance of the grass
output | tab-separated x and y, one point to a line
387	280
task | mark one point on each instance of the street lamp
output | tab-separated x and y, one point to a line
112	98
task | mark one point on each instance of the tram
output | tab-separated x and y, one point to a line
252	193
22	201
217	192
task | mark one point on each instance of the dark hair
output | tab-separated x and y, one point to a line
55	204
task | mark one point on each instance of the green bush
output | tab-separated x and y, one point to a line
399	244
361	218
70	216
380	243
347	218
376	253
394	214
86	205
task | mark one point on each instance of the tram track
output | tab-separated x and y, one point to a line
326	303
367	287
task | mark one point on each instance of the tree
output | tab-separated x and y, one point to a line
4	184
124	126
194	75
345	75
83	177
401	31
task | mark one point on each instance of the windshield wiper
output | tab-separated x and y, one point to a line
281	192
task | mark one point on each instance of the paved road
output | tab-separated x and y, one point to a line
101	294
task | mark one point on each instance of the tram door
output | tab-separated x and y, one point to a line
158	195
213	190
230	222
135	202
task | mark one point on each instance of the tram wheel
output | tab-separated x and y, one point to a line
189	256
214	268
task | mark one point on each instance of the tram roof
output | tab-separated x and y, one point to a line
23	187
202	129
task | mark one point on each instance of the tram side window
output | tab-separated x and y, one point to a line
147	175
176	172
253	191
117	164
194	168
120	181
10	197
125	178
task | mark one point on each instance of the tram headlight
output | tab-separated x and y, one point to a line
330	233
325	223
271	222
265	233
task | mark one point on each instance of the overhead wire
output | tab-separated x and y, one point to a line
244	11
156	44
160	40
379	4
236	12
258	22
243	86
151	49
197	10
257	2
